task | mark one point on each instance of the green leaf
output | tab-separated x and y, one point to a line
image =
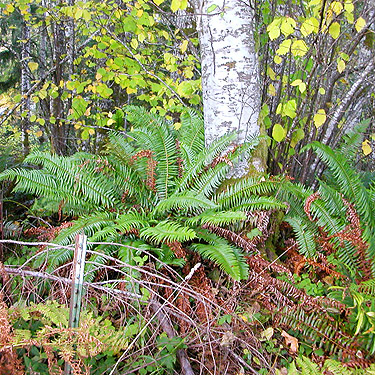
211	8
278	133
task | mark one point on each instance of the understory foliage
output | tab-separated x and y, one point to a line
156	189
156	202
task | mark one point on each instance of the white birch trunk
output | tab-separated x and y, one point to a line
25	87
230	73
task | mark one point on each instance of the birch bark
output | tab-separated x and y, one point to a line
25	87
230	73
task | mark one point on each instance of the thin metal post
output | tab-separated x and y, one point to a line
77	284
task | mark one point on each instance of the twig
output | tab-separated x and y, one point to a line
169	330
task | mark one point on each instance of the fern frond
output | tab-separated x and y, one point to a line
203	159
256	203
316	328
348	180
76	177
189	201
308	367
244	189
336	368
191	132
167	231
162	143
305	238
229	259
218	218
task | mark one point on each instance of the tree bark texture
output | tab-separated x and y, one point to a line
230	73
25	87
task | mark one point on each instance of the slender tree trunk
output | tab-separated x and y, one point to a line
25	87
230	73
58	138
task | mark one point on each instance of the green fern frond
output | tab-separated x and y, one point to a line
367	287
244	189
336	368
218	218
120	147
208	181
352	140
141	117
308	367
348	180
305	238
203	159
163	144
256	203
167	231
191	132
188	201
75	177
229	258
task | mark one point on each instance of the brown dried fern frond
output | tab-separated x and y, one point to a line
232	237
177	249
10	364
309	201
151	165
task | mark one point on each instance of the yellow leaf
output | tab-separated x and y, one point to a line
311	25
287	26
284	47
33	66
290	341
350	17
320	118
271	73
141	37
271	90
175	5
360	24
277	59
183	46
302	87
299	48
267	333
334	30
296	82
91	131
134	43
177	125
9	8
366	147
337	7
273	28
39	133
139	13
322	91
348	6
340	65
129	90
